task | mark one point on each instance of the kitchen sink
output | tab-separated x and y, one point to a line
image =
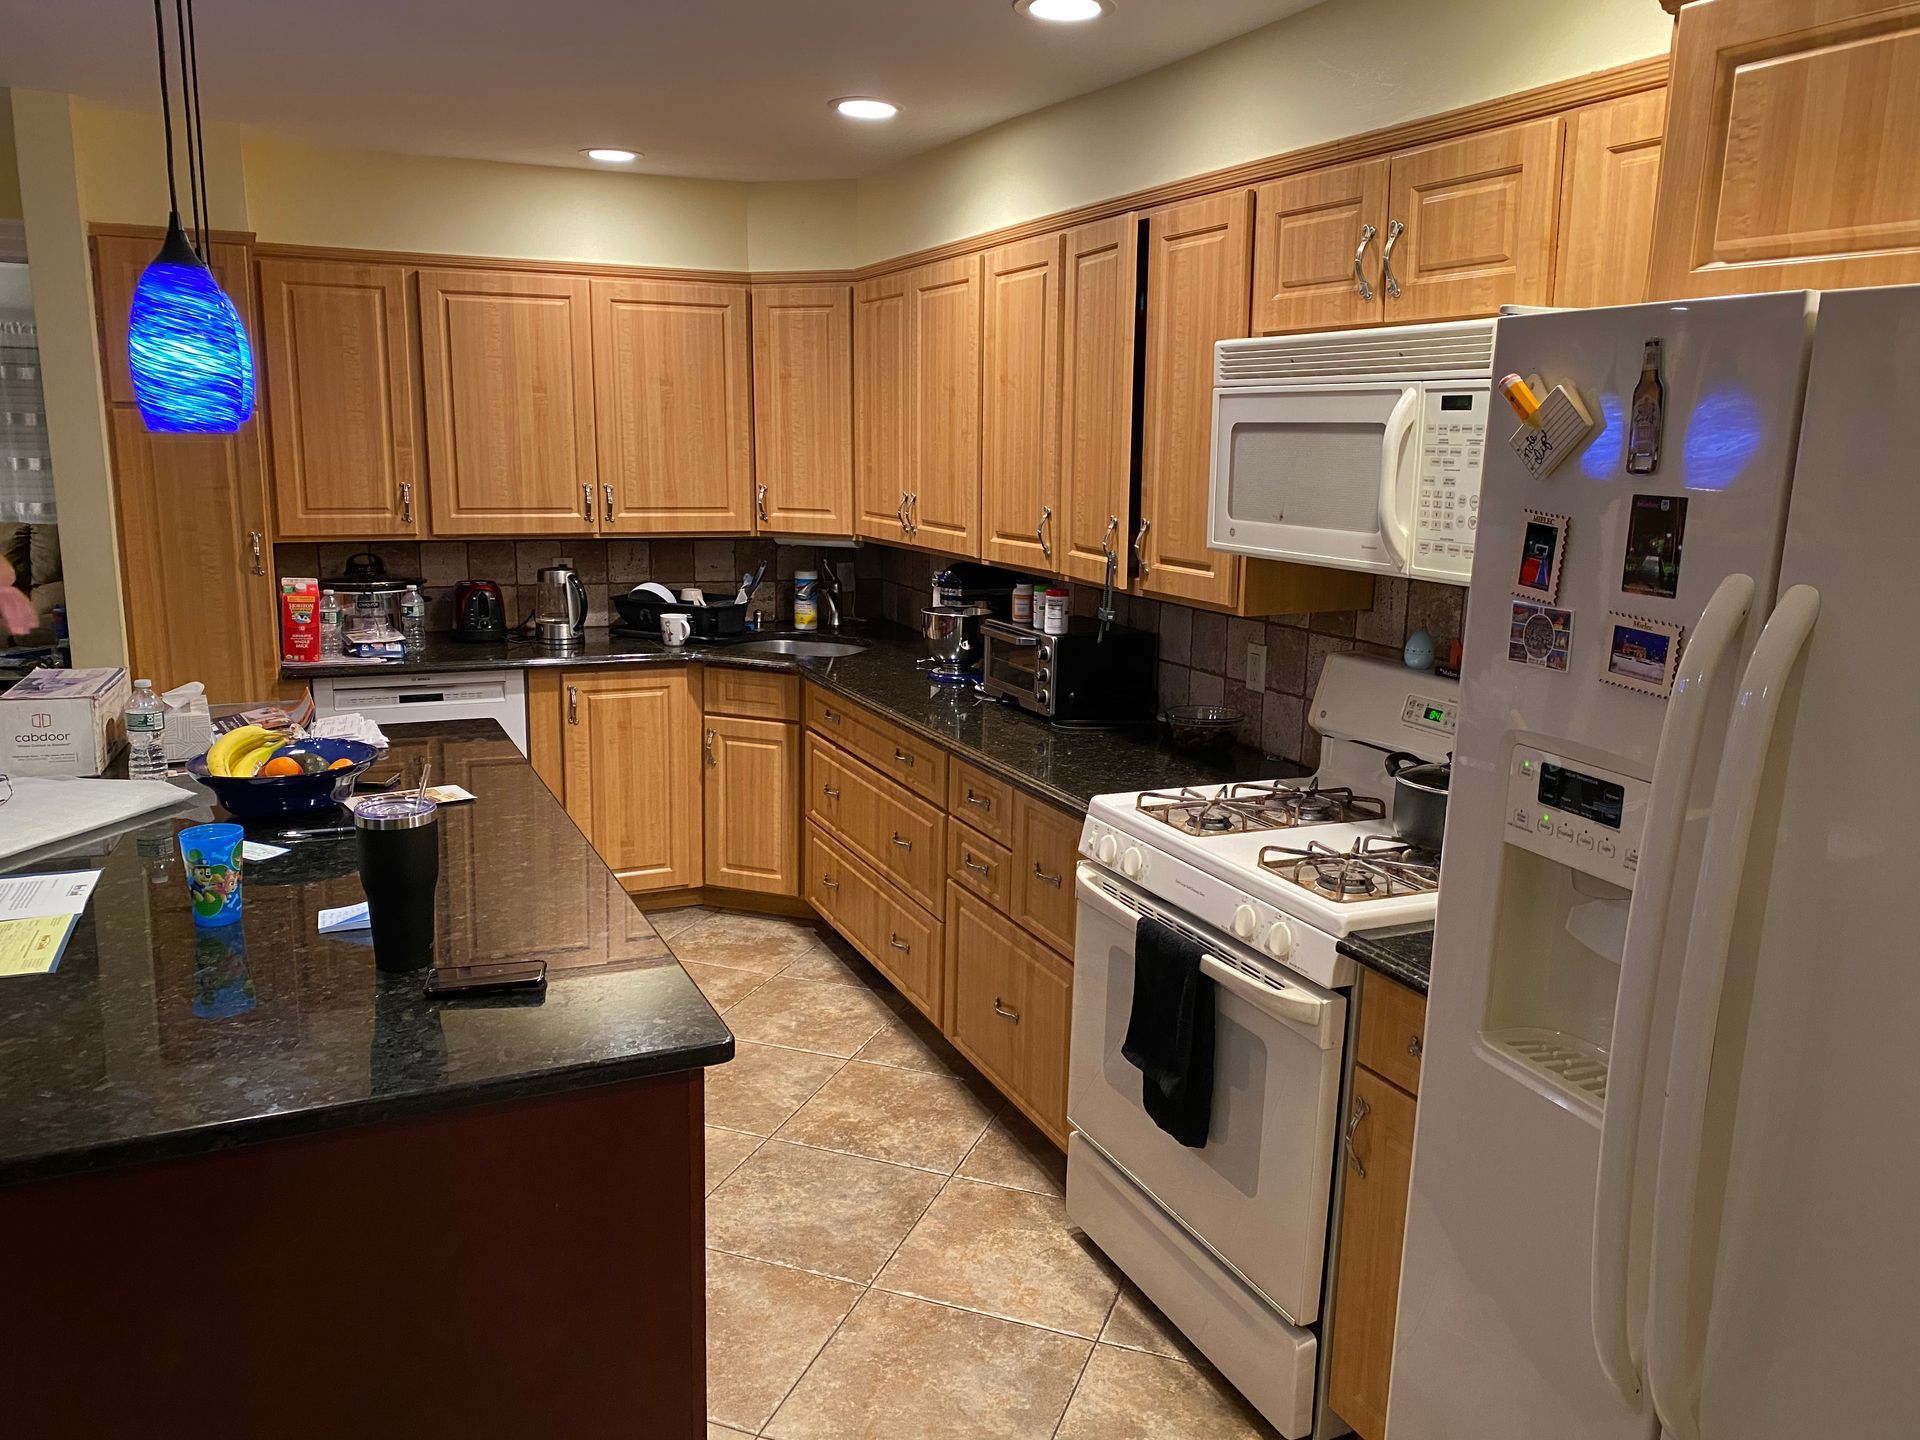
799	649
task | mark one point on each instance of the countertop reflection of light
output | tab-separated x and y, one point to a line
1601	459
1722	434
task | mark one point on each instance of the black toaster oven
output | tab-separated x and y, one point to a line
1087	678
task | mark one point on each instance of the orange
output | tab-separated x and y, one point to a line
341	764
280	765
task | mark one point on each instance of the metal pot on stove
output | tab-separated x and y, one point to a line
1419	799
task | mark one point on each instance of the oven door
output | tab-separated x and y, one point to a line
1257	1195
1323	475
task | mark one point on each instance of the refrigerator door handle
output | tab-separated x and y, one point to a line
1672	1372
1398	479
1705	657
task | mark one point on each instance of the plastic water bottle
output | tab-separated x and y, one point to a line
332	632
413	619
146	733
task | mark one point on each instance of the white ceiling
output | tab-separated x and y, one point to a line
732	89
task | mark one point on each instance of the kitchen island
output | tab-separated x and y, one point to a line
251	1185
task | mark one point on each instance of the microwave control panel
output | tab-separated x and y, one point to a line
1568	811
1446	517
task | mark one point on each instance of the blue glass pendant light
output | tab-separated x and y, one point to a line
192	364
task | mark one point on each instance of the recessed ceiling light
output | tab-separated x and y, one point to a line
1064	12
611	155
865	107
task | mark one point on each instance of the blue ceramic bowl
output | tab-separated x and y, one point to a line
247	797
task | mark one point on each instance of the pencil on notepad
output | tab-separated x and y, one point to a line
1521	398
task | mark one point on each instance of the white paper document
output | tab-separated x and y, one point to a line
260	850
344	917
34	897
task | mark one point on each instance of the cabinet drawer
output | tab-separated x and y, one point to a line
1045	844
752	694
901	939
982	801
901	837
978	864
1393	1026
1009	1004
918	764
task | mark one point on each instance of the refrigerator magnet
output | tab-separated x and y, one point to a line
1543	549
1641	654
1656	529
1540	635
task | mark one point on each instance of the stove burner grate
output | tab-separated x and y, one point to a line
1375	867
1248	806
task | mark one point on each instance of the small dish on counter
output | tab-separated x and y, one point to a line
1203	729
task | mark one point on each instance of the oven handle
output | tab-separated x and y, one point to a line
1396	527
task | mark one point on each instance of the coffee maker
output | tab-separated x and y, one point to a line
560	609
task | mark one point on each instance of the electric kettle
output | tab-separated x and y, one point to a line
560	608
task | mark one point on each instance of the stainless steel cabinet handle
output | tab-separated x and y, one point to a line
606	493
573	704
902	756
913	506
984	802
831	717
406	502
829	882
1394	231
1039	874
586	503
1140	548
829	792
1040	531
897	943
1367	232
760	503
1004	1013
1361	1109
905	529
255	541
1106	537
974	865
1414	1047
712	758
903	844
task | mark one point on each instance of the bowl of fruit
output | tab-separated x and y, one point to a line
257	773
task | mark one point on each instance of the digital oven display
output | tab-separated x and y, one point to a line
1434	715
1587	796
1456	402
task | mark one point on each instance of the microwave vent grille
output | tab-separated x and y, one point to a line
1415	352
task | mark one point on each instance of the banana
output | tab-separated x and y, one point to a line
234	752
249	762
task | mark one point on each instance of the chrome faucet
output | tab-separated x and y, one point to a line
829	587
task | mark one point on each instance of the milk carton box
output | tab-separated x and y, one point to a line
64	722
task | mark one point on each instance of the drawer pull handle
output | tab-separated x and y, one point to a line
829	792
984	802
974	865
255	540
1361	1109
903	844
573	704
586	503
897	943
1004	1013
1414	1047
829	882
902	756
712	758
606	492
406	502
1039	874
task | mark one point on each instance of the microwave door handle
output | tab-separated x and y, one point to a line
1708	652
1396	498
1672	1364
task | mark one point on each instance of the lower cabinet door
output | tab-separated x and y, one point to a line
753	804
901	940
1373	1225
631	744
1010	1002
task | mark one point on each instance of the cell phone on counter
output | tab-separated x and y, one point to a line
366	780
451	982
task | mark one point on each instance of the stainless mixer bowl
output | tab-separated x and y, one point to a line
953	634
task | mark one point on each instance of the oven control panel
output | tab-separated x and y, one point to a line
1446	517
1584	817
1428	712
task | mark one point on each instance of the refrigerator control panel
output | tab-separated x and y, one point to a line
1453	432
1582	816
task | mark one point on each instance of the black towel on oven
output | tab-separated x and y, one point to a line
1170	1031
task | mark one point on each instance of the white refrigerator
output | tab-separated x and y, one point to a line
1667	1161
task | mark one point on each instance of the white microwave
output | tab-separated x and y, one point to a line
1358	449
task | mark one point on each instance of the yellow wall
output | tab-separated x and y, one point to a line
122	162
1336	69
9	172
806	225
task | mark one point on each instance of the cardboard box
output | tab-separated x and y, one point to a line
64	722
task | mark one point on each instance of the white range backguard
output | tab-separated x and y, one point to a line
1496	1336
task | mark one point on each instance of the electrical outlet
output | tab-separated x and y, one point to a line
1256	668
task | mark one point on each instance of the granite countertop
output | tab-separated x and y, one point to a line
1067	767
1405	955
155	1040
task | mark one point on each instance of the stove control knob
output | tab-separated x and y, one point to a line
1279	941
1245	922
1105	848
1133	862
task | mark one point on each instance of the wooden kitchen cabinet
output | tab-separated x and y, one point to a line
1009	1008
900	939
1610	181
803	409
880	379
752	804
1316	248
1479	218
1020	406
943	406
1373	1229
1046	845
1792	154
337	352
1100	289
673	407
901	837
631	746
507	359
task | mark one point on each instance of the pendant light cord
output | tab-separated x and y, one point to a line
186	104
166	111
200	128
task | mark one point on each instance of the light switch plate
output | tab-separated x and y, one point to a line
1256	668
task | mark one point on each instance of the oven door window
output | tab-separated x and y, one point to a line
1012	665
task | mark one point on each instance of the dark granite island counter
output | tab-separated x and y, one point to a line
250	1185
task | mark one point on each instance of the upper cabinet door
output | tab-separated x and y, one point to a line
880	407
1199	277
674	411
943	334
1316	248
1793	148
1479	218
1102	286
508	363
1606	201
803	409
1020	406
338	357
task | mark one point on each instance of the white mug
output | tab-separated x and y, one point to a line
675	628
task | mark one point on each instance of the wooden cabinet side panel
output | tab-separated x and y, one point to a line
546	728
880	440
1310	231
1607	192
803	409
1020	406
1100	287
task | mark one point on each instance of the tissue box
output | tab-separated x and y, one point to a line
64	722
189	725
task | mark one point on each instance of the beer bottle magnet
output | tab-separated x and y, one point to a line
1648	415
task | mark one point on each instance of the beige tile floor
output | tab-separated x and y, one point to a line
889	1253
